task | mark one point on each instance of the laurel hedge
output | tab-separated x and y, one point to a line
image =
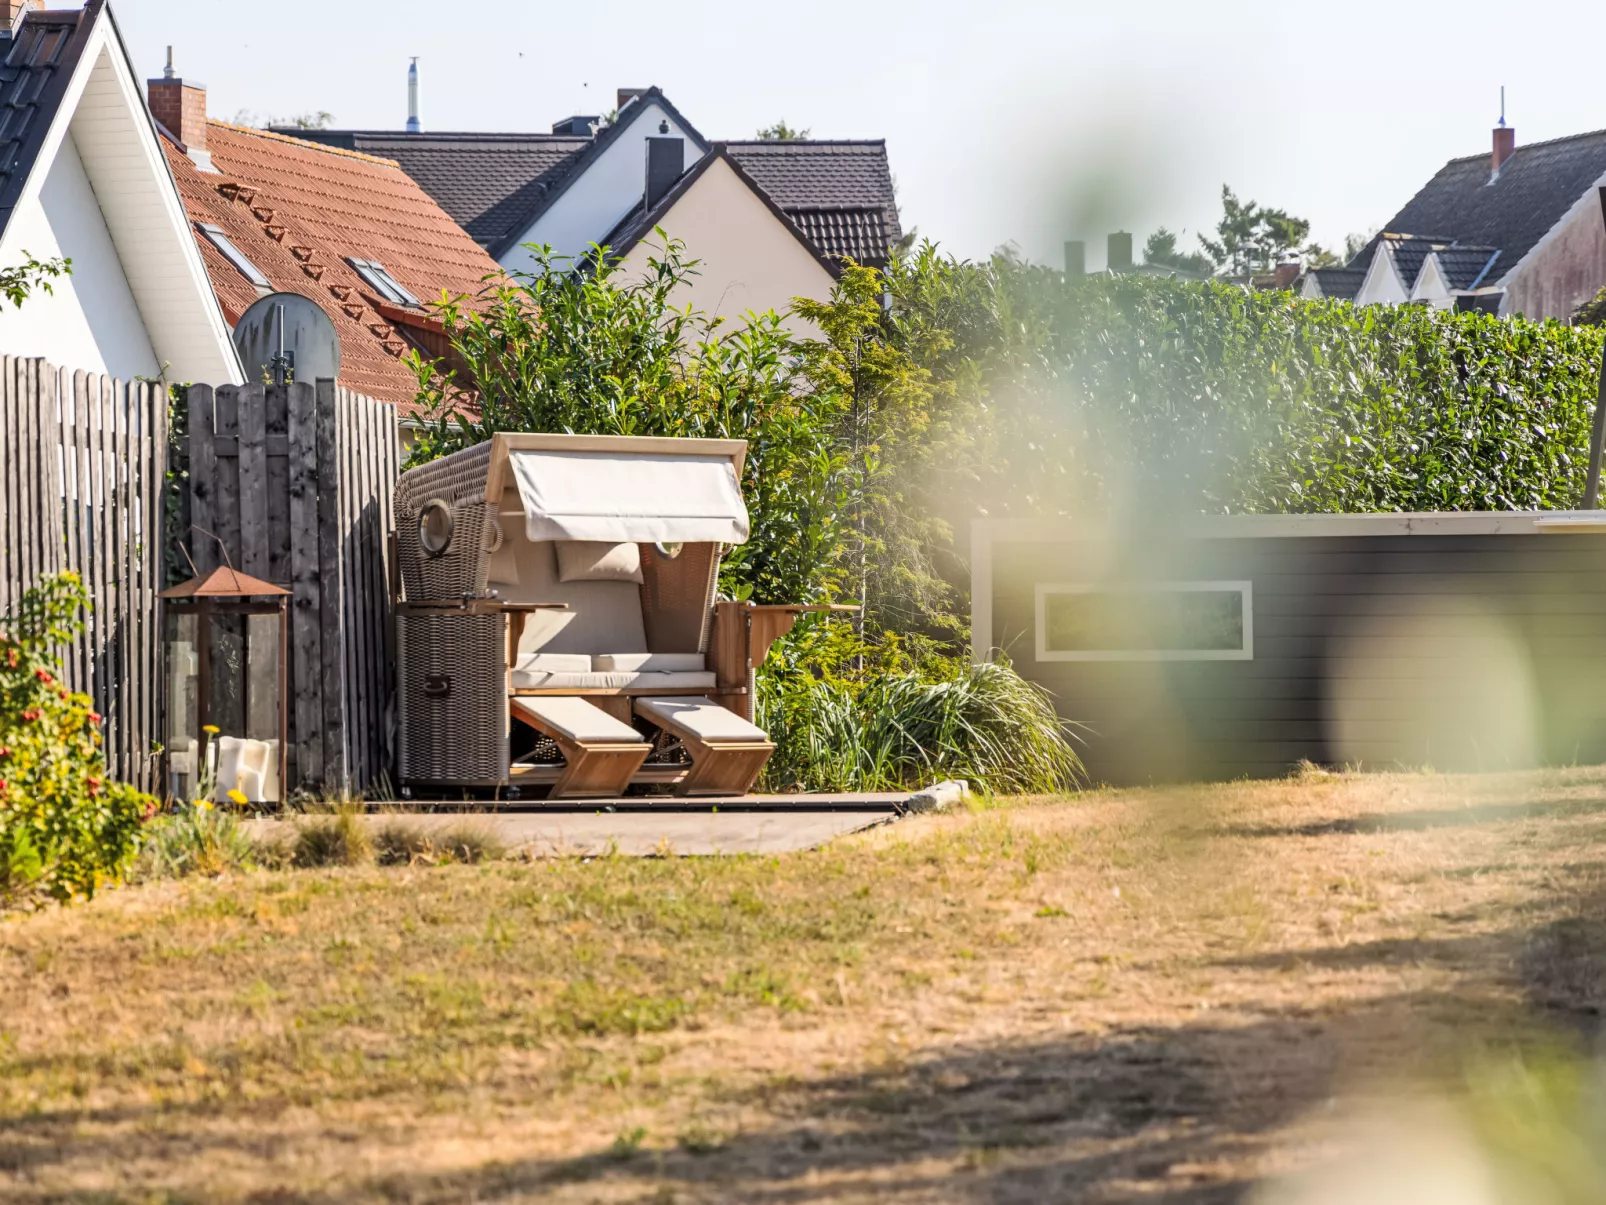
1205	395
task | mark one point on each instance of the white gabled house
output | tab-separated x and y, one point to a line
83	177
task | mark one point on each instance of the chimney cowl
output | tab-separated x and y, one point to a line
414	126
179	106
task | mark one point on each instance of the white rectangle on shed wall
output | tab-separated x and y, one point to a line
90	321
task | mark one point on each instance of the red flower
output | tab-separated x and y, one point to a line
5	750
31	715
11	658
44	676
94	717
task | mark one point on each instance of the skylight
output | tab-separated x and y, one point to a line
383	282
234	255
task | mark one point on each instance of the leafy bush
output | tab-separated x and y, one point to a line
886	719
65	829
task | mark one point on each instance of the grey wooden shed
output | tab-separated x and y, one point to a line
1218	647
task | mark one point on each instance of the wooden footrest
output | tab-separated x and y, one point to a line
601	754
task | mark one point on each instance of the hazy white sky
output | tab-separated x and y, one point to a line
1005	121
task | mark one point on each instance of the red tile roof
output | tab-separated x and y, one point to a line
298	211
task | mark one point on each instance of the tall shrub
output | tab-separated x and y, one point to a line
591	352
65	827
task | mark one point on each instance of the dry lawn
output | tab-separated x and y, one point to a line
1146	995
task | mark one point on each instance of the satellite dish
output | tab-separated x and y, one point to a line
291	326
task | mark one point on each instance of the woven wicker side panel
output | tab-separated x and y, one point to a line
459	481
452	699
677	597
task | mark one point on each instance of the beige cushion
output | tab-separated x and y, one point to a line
579	720
530	679
597	561
662	663
503	566
601	615
700	716
554	663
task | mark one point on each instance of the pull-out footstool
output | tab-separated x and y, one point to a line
726	751
601	754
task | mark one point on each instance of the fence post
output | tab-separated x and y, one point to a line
306	643
331	442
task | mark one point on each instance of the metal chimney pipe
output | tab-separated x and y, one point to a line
413	124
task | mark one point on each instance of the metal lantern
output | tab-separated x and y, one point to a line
227	642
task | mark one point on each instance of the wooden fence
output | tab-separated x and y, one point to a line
83	459
296	483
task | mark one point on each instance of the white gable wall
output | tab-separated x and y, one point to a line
611	185
139	300
1431	286
749	259
1382	285
90	320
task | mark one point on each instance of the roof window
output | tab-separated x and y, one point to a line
386	285
215	236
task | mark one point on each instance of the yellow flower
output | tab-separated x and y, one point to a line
203	805
238	796
210	728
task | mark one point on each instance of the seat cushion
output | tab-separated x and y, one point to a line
700	716
578	720
651	663
529	679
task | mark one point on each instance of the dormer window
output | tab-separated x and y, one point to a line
215	236
383	283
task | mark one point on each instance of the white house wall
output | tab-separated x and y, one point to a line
1431	286
1382	285
90	321
1567	267
611	185
748	259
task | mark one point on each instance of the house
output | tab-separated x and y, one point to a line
590	183
352	231
1517	231
83	177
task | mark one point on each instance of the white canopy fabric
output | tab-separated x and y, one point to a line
639	498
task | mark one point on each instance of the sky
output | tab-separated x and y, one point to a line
1006	122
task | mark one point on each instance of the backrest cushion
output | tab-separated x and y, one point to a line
603	617
598	561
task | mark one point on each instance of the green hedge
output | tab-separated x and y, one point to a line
1206	395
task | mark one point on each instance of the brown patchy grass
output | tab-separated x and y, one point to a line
1142	995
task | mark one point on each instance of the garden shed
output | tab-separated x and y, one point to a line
1224	646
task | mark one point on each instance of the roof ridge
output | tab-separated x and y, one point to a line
804	141
1528	146
303	142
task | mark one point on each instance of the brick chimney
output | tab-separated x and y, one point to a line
11	12
180	106
1118	251
1286	273
1505	145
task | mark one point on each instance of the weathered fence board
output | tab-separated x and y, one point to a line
85	457
298	479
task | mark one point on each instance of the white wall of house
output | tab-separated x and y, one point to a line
1565	268
749	259
1431	286
90	321
1311	290
1382	285
610	186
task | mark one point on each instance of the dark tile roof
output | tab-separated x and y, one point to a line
1339	282
36	63
488	183
1470	267
1535	187
839	192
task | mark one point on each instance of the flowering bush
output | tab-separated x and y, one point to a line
65	829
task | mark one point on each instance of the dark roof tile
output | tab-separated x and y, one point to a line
36	61
833	189
1534	189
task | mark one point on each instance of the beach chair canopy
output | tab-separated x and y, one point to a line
629	496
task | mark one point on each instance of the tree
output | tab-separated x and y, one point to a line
17	283
321	119
1252	238
781	132
1161	251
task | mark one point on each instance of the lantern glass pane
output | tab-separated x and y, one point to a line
183	699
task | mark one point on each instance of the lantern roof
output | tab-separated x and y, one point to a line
223	582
